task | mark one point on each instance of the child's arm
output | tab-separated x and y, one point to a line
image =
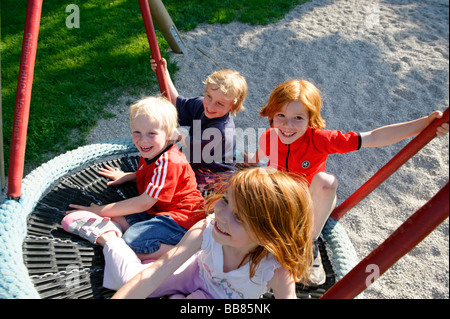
253	159
282	284
392	134
144	283
129	206
117	175
172	90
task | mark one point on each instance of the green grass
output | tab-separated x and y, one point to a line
79	71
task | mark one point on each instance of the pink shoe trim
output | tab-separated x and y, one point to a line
89	225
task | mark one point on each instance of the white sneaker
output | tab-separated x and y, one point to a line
317	275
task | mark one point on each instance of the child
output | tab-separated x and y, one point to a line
297	143
258	238
169	202
211	143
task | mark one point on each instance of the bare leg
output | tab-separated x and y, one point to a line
122	222
323	193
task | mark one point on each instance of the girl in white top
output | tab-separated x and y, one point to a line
257	238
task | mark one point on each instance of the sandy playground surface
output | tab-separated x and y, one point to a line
376	62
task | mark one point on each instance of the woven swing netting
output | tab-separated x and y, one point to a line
40	260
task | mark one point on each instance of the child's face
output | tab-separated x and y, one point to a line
216	103
148	137
229	228
291	122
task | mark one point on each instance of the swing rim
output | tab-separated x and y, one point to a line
15	281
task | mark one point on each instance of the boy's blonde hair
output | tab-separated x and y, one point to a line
296	90
277	209
230	83
159	110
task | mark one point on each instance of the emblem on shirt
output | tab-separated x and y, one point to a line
305	164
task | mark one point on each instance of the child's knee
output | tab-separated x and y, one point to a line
324	182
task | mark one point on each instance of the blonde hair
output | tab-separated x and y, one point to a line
296	90
230	83
277	209
159	110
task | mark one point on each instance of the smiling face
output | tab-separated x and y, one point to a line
148	137
291	122
216	103
229	228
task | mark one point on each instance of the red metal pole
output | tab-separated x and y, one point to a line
405	238
23	98
153	42
394	164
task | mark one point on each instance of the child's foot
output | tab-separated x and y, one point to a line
89	225
317	275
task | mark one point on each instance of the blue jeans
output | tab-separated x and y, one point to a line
147	232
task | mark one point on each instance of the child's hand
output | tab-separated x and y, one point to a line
153	64
116	174
248	157
444	128
248	160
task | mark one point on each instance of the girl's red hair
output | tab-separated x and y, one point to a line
277	209
296	90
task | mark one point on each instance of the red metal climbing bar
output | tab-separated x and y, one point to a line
153	42
23	98
394	164
405	238
25	82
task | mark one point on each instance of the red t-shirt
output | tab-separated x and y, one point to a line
170	180
308	155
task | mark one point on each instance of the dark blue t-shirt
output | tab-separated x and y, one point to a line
211	143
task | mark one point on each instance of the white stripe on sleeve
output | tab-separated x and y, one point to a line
159	177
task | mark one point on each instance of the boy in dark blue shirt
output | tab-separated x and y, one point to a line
210	144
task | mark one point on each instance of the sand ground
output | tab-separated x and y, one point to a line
376	62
